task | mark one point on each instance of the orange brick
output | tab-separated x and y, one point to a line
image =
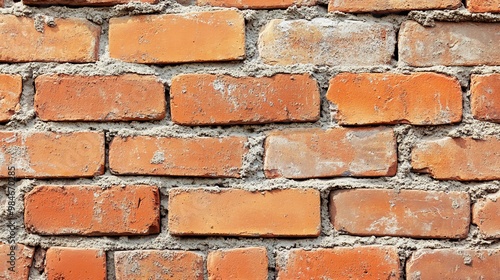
482	6
16	263
323	41
205	36
449	44
71	40
11	87
460	159
363	6
234	212
419	98
486	215
202	157
417	214
99	98
91	210
155	264
202	99
454	264
315	153
485	97
75	264
83	2
52	155
257	4
365	262
243	263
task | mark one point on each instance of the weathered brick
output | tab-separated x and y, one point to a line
486	216
202	99
485	97
385	6
51	154
202	157
205	36
388	98
323	41
460	159
453	264
84	2
242	263
75	263
99	98
71	40
315	153
11	87
91	210
449	44
155	264
257	4
365	262
482	6
235	212
378	212
16	263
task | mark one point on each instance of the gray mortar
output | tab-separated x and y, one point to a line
253	176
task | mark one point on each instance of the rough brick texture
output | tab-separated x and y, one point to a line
316	153
17	257
421	98
485	97
205	36
234	212
257	4
486	215
200	99
75	263
178	156
155	264
102	98
326	42
361	6
459	158
83	2
244	263
11	87
72	40
482	6
90	210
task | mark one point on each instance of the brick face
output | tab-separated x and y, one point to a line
200	99
256	4
75	263
83	2
11	87
20	259
485	215
243	263
485	97
360	6
482	6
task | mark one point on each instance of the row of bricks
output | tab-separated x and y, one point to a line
294	153
154	39
363	262
334	5
204	99
135	210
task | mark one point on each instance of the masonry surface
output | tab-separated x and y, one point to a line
249	139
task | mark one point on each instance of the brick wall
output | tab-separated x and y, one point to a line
249	139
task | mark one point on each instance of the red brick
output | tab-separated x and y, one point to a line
315	153
417	214
99	98
75	264
15	264
486	216
460	159
235	212
388	98
84	2
202	157
155	264
91	210
363	6
482	6
205	36
243	263
365	262
71	40
51	154
257	4
323	41
11	87
202	99
449	44
485	97
453	264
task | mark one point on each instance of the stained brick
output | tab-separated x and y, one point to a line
482	6
11	87
242	263
485	97
75	263
16	263
486	215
